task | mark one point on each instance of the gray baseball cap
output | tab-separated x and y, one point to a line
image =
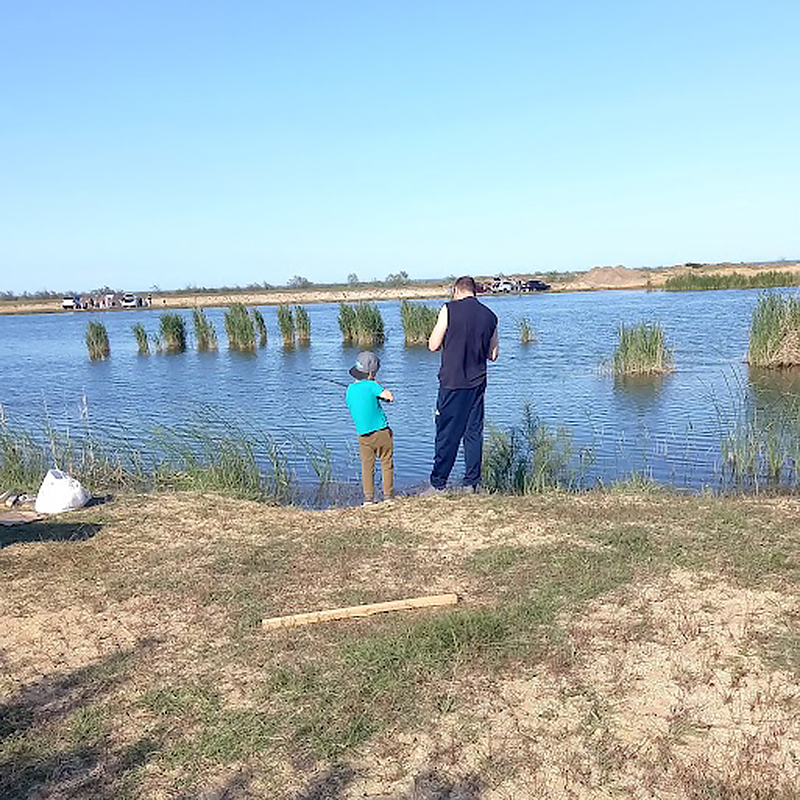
366	363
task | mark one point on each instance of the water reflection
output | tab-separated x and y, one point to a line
641	392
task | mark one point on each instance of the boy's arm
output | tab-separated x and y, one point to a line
439	330
386	395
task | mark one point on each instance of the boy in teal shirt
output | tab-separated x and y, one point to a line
375	437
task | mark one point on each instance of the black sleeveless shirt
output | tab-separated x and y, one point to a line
470	326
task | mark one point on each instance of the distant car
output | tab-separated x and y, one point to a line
129	301
535	286
503	285
70	302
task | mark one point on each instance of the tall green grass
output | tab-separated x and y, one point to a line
239	328
286	325
529	457
691	282
204	332
641	350
775	332
97	341
303	323
361	324
209	455
142	343
525	330
172	333
418	322
261	327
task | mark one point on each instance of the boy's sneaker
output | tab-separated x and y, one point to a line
368	503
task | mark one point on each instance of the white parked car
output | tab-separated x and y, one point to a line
69	303
129	301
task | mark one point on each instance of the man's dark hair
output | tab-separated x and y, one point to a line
465	283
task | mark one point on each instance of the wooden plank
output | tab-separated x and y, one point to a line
349	612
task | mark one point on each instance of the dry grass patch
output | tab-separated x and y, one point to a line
607	643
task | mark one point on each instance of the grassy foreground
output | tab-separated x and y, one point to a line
608	645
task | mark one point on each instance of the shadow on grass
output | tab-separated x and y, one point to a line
429	785
48	532
55	738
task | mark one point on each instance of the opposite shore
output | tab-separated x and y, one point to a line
598	278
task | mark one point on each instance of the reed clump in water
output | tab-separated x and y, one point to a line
642	350
141	339
361	324
526	332
347	322
172	333
204	332
530	457
775	332
239	328
303	325
261	327
734	280
418	321
286	325
97	341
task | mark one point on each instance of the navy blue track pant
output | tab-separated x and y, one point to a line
459	415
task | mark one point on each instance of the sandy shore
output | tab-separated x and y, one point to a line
595	279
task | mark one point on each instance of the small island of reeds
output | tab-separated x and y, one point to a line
97	341
418	321
303	325
361	324
642	350
239	328
204	332
525	329
286	325
142	344
775	332
690	282
261	327
173	333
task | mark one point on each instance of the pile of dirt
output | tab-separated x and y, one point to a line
611	278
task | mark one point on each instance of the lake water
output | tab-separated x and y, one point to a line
669	427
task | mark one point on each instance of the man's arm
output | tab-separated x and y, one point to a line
494	346
439	330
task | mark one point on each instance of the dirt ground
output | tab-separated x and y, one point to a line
606	645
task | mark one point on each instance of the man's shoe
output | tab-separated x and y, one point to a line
431	491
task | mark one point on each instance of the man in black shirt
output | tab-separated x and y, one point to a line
466	332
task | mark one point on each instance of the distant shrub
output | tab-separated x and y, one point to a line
298	282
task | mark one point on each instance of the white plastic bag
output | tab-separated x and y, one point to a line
59	492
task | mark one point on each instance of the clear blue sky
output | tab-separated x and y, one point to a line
182	141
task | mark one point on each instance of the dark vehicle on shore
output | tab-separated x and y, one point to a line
535	286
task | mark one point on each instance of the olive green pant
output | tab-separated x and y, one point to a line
380	444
